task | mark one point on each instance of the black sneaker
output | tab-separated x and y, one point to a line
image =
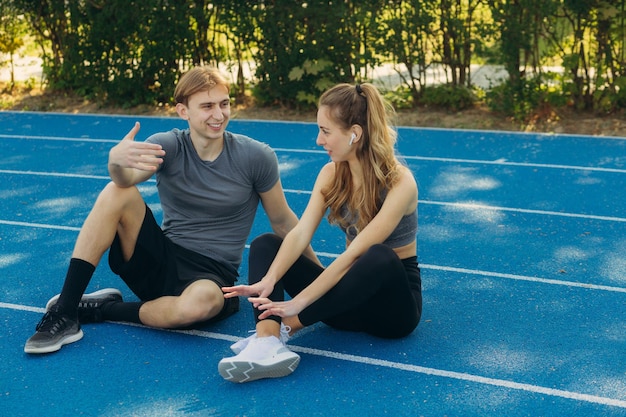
53	331
90	305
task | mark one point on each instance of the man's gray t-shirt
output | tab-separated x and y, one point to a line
209	207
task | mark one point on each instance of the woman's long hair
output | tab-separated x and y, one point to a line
364	106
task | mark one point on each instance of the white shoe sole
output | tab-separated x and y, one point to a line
57	346
235	370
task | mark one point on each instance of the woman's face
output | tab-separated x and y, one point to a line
331	137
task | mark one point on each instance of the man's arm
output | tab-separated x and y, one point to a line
133	162
281	217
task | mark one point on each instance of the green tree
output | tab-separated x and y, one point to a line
126	52
133	51
455	36
305	47
589	37
405	34
520	27
13	28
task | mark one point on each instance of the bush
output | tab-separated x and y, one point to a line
522	100
400	98
448	97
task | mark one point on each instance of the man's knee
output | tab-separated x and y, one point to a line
116	196
201	301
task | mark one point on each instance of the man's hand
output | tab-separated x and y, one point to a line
138	155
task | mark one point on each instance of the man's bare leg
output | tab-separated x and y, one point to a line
117	210
201	301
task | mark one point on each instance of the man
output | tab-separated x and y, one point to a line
210	182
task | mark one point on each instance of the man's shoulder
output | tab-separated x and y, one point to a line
174	135
242	143
242	140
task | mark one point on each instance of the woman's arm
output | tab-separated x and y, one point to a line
295	243
400	200
281	216
299	238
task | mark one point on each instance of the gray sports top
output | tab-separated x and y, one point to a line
403	234
209	207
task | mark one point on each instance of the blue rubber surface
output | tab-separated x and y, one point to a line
522	246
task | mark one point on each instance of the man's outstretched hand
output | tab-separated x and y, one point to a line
139	155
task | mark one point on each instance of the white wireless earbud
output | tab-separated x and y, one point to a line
352	139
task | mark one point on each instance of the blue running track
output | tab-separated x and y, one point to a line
522	244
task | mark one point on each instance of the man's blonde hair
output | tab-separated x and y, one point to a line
198	79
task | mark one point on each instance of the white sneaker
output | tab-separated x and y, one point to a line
263	357
240	345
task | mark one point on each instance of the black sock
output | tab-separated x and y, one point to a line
79	274
122	311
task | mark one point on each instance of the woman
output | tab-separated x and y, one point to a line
374	286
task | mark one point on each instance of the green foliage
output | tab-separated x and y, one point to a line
610	98
132	52
448	97
400	98
316	70
403	34
120	51
521	100
332	35
13	28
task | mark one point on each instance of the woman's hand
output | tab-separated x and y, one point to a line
278	308
262	288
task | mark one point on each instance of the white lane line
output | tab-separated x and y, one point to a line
523	278
474	206
577	396
292	191
39	225
408	158
22	307
502	275
503	383
480	162
54	174
506	276
423	266
517	164
61	174
59	138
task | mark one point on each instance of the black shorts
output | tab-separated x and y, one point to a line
160	267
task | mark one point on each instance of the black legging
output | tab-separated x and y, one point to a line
380	295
